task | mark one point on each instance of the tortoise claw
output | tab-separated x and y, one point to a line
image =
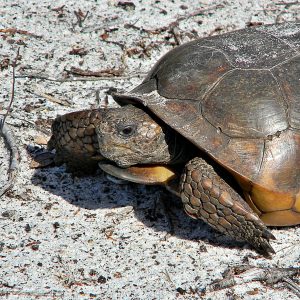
268	235
265	249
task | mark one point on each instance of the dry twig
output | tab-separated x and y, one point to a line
80	17
101	73
33	294
169	27
88	78
292	286
7	134
121	45
63	102
243	274
19	31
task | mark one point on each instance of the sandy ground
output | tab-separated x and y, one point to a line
64	237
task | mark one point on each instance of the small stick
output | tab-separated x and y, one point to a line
31	293
19	31
174	31
32	124
292	286
63	102
12	89
9	138
14	159
121	45
176	22
288	4
101	73
243	274
80	17
61	80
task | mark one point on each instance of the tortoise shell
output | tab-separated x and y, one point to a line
236	96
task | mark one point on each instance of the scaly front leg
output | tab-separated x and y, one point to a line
207	196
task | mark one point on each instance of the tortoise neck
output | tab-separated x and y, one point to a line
180	149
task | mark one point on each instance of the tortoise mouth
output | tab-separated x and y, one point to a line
112	169
143	174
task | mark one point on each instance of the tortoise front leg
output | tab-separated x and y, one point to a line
207	196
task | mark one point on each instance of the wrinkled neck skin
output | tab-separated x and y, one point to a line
180	150
129	136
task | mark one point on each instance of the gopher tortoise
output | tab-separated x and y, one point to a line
221	113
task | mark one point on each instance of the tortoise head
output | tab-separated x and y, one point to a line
76	143
129	136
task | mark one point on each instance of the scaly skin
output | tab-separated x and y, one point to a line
75	140
207	196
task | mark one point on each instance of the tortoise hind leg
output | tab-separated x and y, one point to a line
207	196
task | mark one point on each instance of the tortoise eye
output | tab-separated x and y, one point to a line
127	130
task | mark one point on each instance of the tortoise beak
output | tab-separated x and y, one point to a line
144	174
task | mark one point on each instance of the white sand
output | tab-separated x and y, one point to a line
89	238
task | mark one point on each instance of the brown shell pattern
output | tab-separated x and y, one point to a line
237	97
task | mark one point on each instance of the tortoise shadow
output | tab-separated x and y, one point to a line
152	205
